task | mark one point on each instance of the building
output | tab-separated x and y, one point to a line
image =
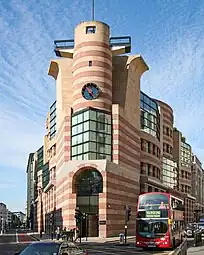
10	219
158	169
21	216
31	182
3	217
34	167
197	182
105	139
182	153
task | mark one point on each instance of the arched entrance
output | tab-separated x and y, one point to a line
88	185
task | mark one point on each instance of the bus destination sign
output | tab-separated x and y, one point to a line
153	214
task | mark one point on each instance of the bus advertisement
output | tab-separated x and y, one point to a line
159	220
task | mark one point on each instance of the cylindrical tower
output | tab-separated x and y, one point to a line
92	67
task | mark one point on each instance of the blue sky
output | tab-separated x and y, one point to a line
168	34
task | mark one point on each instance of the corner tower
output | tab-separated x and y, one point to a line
92	67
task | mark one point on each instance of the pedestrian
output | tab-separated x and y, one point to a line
58	233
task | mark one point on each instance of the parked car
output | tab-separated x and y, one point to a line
52	248
201	226
190	229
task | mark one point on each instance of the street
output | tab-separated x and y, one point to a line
13	242
121	250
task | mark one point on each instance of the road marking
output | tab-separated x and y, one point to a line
106	252
17	241
128	250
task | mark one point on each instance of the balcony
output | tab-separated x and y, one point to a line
120	41
118	45
64	44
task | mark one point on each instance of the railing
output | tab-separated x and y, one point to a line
181	250
114	41
120	41
64	44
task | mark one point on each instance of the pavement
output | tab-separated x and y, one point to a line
199	250
89	240
14	242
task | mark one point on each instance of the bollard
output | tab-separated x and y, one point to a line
197	238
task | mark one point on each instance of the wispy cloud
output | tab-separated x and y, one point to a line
168	34
27	31
176	76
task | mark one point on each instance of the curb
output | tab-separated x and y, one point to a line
87	243
34	237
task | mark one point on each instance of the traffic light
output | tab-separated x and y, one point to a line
127	213
51	218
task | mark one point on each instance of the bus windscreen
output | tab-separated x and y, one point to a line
152	229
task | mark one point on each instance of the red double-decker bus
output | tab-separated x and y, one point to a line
159	220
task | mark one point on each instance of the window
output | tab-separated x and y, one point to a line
149	116
90	63
149	188
89	182
91	30
185	154
169	173
40	158
91	135
53	120
45	175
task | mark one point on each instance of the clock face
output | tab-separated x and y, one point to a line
90	91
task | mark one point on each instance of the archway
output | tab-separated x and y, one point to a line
88	185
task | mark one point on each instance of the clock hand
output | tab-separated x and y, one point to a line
90	91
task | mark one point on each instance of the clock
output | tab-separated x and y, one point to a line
90	91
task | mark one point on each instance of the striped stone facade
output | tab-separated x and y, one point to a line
118	78
167	122
63	155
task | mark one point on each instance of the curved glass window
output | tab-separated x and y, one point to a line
149	116
91	135
89	182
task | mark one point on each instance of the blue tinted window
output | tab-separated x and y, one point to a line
149	116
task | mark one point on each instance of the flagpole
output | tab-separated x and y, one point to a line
92	9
